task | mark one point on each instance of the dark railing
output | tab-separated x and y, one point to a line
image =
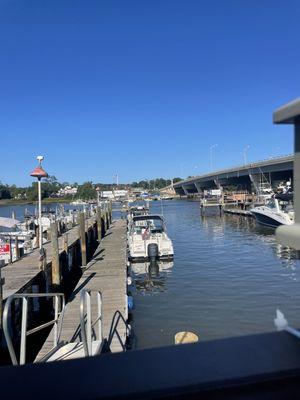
264	366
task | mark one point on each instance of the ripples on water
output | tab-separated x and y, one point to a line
228	278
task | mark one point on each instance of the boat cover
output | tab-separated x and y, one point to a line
8	222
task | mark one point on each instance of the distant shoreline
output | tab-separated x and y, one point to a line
9	202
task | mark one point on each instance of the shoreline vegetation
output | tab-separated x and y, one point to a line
55	192
9	202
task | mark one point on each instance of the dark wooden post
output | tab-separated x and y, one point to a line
2	281
10	250
82	238
17	248
56	278
107	216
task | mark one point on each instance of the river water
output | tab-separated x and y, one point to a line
229	277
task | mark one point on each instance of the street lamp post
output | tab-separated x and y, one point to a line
211	155
40	173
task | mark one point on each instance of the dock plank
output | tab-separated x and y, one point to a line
106	273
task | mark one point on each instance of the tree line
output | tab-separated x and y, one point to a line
85	191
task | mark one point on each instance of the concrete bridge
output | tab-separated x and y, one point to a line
244	177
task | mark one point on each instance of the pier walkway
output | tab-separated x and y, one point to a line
19	274
106	273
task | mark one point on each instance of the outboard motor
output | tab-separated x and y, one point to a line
152	251
153	270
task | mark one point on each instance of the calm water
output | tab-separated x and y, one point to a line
228	278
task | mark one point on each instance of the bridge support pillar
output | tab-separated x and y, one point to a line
198	187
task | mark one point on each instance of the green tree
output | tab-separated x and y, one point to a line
86	191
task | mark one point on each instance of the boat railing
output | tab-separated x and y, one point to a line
56	322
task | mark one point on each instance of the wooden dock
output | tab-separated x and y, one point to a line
18	275
106	273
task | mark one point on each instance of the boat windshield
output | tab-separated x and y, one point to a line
271	204
148	225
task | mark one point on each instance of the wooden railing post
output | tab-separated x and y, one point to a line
56	278
82	238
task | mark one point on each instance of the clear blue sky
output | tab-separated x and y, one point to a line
143	88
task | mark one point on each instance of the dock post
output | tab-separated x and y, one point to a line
107	216
82	238
17	247
104	220
99	224
110	212
10	251
2	263
55	268
66	243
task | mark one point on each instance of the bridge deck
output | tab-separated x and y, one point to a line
106	273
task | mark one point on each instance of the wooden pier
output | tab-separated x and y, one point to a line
107	273
19	275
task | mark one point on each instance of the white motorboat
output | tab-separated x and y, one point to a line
277	211
148	240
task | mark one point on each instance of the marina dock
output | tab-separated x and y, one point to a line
19	275
106	272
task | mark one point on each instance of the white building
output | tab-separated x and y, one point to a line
67	190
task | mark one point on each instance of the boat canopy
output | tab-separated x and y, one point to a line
8	222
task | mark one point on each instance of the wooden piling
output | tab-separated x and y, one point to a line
110	212
82	238
2	281
66	243
17	248
10	250
99	224
56	278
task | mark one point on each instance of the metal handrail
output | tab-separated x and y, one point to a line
86	323
59	303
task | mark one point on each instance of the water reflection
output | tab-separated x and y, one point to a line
217	226
150	277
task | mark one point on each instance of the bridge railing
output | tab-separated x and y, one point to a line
255	164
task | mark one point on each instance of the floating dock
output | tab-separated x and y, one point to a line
107	273
243	213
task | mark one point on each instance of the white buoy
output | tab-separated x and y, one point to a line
186	337
129	280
